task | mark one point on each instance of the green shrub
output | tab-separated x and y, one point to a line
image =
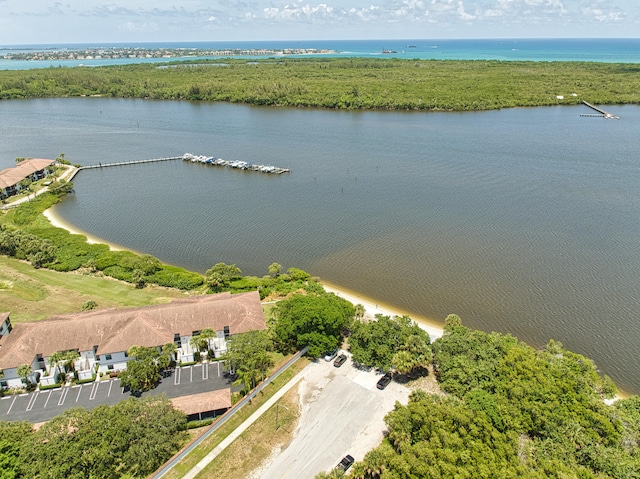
85	381
123	259
51	386
174	277
118	272
200	423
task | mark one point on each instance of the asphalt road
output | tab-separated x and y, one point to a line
40	406
342	413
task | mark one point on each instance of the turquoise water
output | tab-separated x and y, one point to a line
523	221
610	50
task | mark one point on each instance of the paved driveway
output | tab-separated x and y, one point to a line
342	413
40	406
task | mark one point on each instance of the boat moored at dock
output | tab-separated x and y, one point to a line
236	164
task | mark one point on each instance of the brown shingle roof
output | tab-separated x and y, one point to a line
203	402
13	176
115	330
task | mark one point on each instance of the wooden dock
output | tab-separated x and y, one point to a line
131	162
602	113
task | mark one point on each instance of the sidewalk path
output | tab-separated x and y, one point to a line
239	430
198	467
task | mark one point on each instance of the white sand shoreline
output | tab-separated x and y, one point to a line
56	221
372	308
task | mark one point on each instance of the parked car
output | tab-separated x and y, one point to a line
346	462
340	360
384	381
328	356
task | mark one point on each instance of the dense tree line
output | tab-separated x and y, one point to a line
318	321
510	411
351	83
128	440
390	342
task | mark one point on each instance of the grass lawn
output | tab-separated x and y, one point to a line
257	443
31	294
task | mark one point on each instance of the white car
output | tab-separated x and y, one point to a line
330	355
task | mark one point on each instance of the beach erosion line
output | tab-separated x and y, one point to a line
372	308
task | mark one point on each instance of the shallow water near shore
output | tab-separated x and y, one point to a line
523	221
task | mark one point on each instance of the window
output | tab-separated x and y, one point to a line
110	367
107	357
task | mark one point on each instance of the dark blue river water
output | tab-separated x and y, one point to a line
523	221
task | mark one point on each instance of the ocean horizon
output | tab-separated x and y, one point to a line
605	50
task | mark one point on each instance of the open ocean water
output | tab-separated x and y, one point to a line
611	50
524	221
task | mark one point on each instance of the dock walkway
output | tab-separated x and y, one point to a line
131	162
602	113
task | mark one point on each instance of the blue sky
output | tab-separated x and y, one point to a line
86	21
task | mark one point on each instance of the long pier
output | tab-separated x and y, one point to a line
602	113
132	162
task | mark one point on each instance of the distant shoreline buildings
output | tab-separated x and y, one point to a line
110	53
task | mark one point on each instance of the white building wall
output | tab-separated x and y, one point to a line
112	362
185	352
11	378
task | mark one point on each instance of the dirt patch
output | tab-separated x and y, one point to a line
426	382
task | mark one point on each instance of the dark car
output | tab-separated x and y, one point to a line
340	360
346	463
384	381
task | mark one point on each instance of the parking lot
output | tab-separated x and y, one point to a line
342	412
40	406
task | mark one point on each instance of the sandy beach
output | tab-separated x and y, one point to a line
372	308
59	223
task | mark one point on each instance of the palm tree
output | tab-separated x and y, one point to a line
359	311
24	371
70	358
264	361
247	378
403	361
55	360
200	342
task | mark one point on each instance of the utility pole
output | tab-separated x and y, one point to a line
277	407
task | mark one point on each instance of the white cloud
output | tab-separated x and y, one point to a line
298	19
139	27
463	13
302	12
